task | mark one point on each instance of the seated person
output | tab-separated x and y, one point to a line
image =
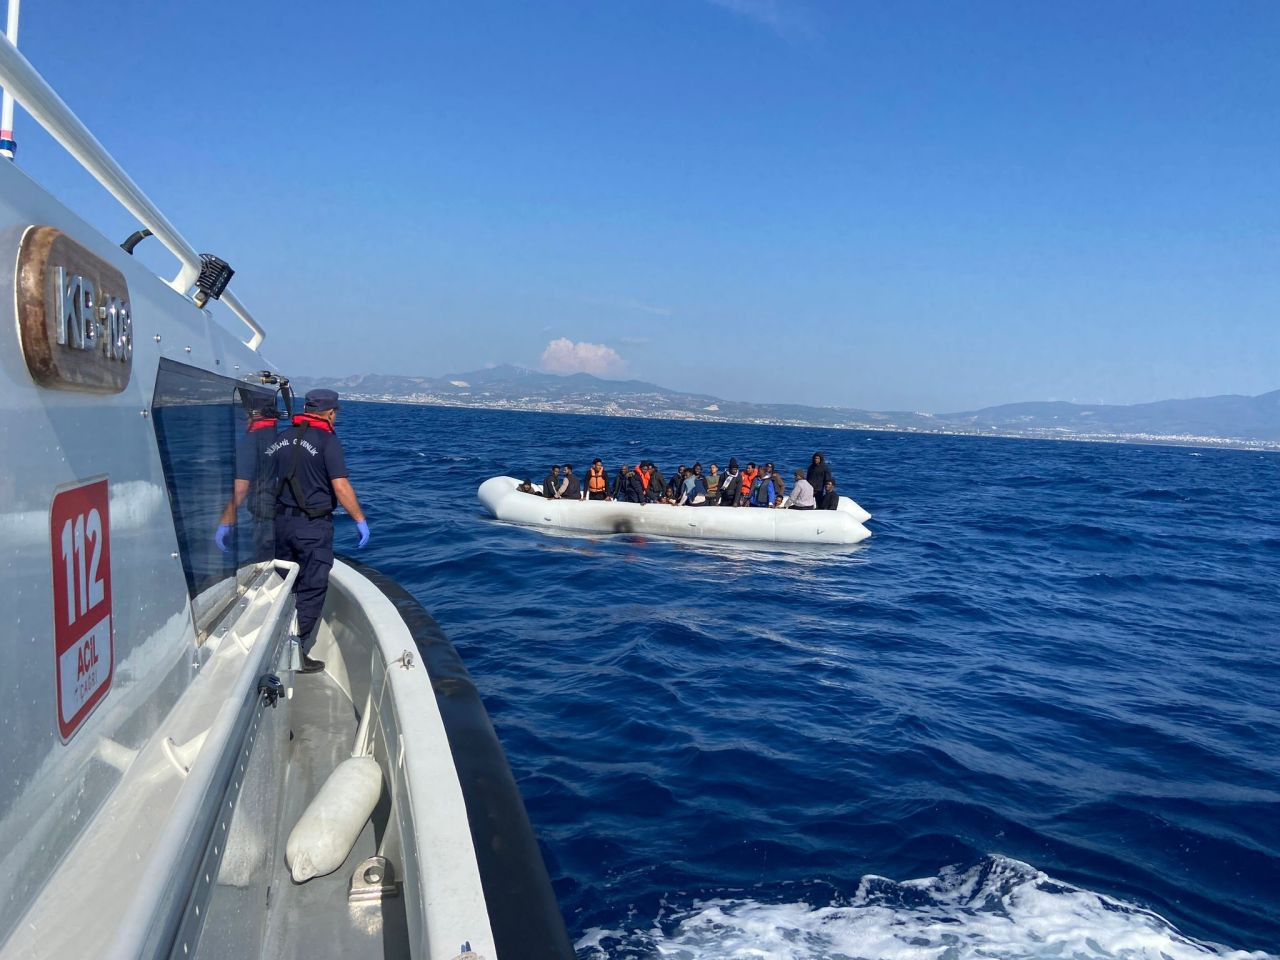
597	481
693	491
777	486
767	489
730	485
802	493
746	482
551	484
671	493
526	486
621	480
641	487
713	485
830	499
657	485
571	488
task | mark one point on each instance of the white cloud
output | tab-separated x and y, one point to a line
787	19
564	356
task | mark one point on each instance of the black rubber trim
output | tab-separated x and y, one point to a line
523	912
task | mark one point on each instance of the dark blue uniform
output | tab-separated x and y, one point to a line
253	467
306	459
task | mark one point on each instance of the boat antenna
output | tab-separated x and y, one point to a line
9	146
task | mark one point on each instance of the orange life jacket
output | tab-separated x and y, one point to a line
644	479
748	478
595	481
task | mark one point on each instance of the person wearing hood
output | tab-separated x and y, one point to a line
818	474
730	484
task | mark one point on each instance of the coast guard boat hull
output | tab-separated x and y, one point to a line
502	498
160	747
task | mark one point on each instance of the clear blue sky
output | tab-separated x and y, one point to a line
929	206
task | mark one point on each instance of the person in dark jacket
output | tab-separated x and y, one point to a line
573	487
657	483
818	474
622	481
311	471
639	484
551	485
671	492
730	483
830	499
255	485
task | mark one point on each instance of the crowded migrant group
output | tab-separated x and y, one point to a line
642	483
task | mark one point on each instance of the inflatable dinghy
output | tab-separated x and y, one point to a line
502	498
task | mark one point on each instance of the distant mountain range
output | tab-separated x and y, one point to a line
1225	420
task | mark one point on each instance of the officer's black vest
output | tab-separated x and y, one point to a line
291	480
262	490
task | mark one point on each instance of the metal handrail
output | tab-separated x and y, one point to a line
20	78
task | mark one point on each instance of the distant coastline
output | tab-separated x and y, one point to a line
1228	422
616	410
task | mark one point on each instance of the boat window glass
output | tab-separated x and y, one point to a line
201	422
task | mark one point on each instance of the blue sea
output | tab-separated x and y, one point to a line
1037	714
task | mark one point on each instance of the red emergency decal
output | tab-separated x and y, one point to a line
84	645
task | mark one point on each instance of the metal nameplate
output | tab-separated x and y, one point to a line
74	317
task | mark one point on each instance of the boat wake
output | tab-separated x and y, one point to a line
996	908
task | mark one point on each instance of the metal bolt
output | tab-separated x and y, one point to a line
188	349
145	412
157	338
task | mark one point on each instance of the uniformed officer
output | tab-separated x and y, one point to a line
254	482
312	480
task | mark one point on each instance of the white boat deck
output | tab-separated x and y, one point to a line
314	919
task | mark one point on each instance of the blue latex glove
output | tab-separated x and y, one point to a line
364	532
220	538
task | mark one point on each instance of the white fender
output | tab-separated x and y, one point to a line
329	827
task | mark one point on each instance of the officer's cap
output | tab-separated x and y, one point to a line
318	401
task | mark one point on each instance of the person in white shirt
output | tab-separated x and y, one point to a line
801	493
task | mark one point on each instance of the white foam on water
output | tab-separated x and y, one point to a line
999	909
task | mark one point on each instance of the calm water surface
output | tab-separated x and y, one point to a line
1036	715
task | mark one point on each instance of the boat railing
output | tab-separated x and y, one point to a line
39	99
